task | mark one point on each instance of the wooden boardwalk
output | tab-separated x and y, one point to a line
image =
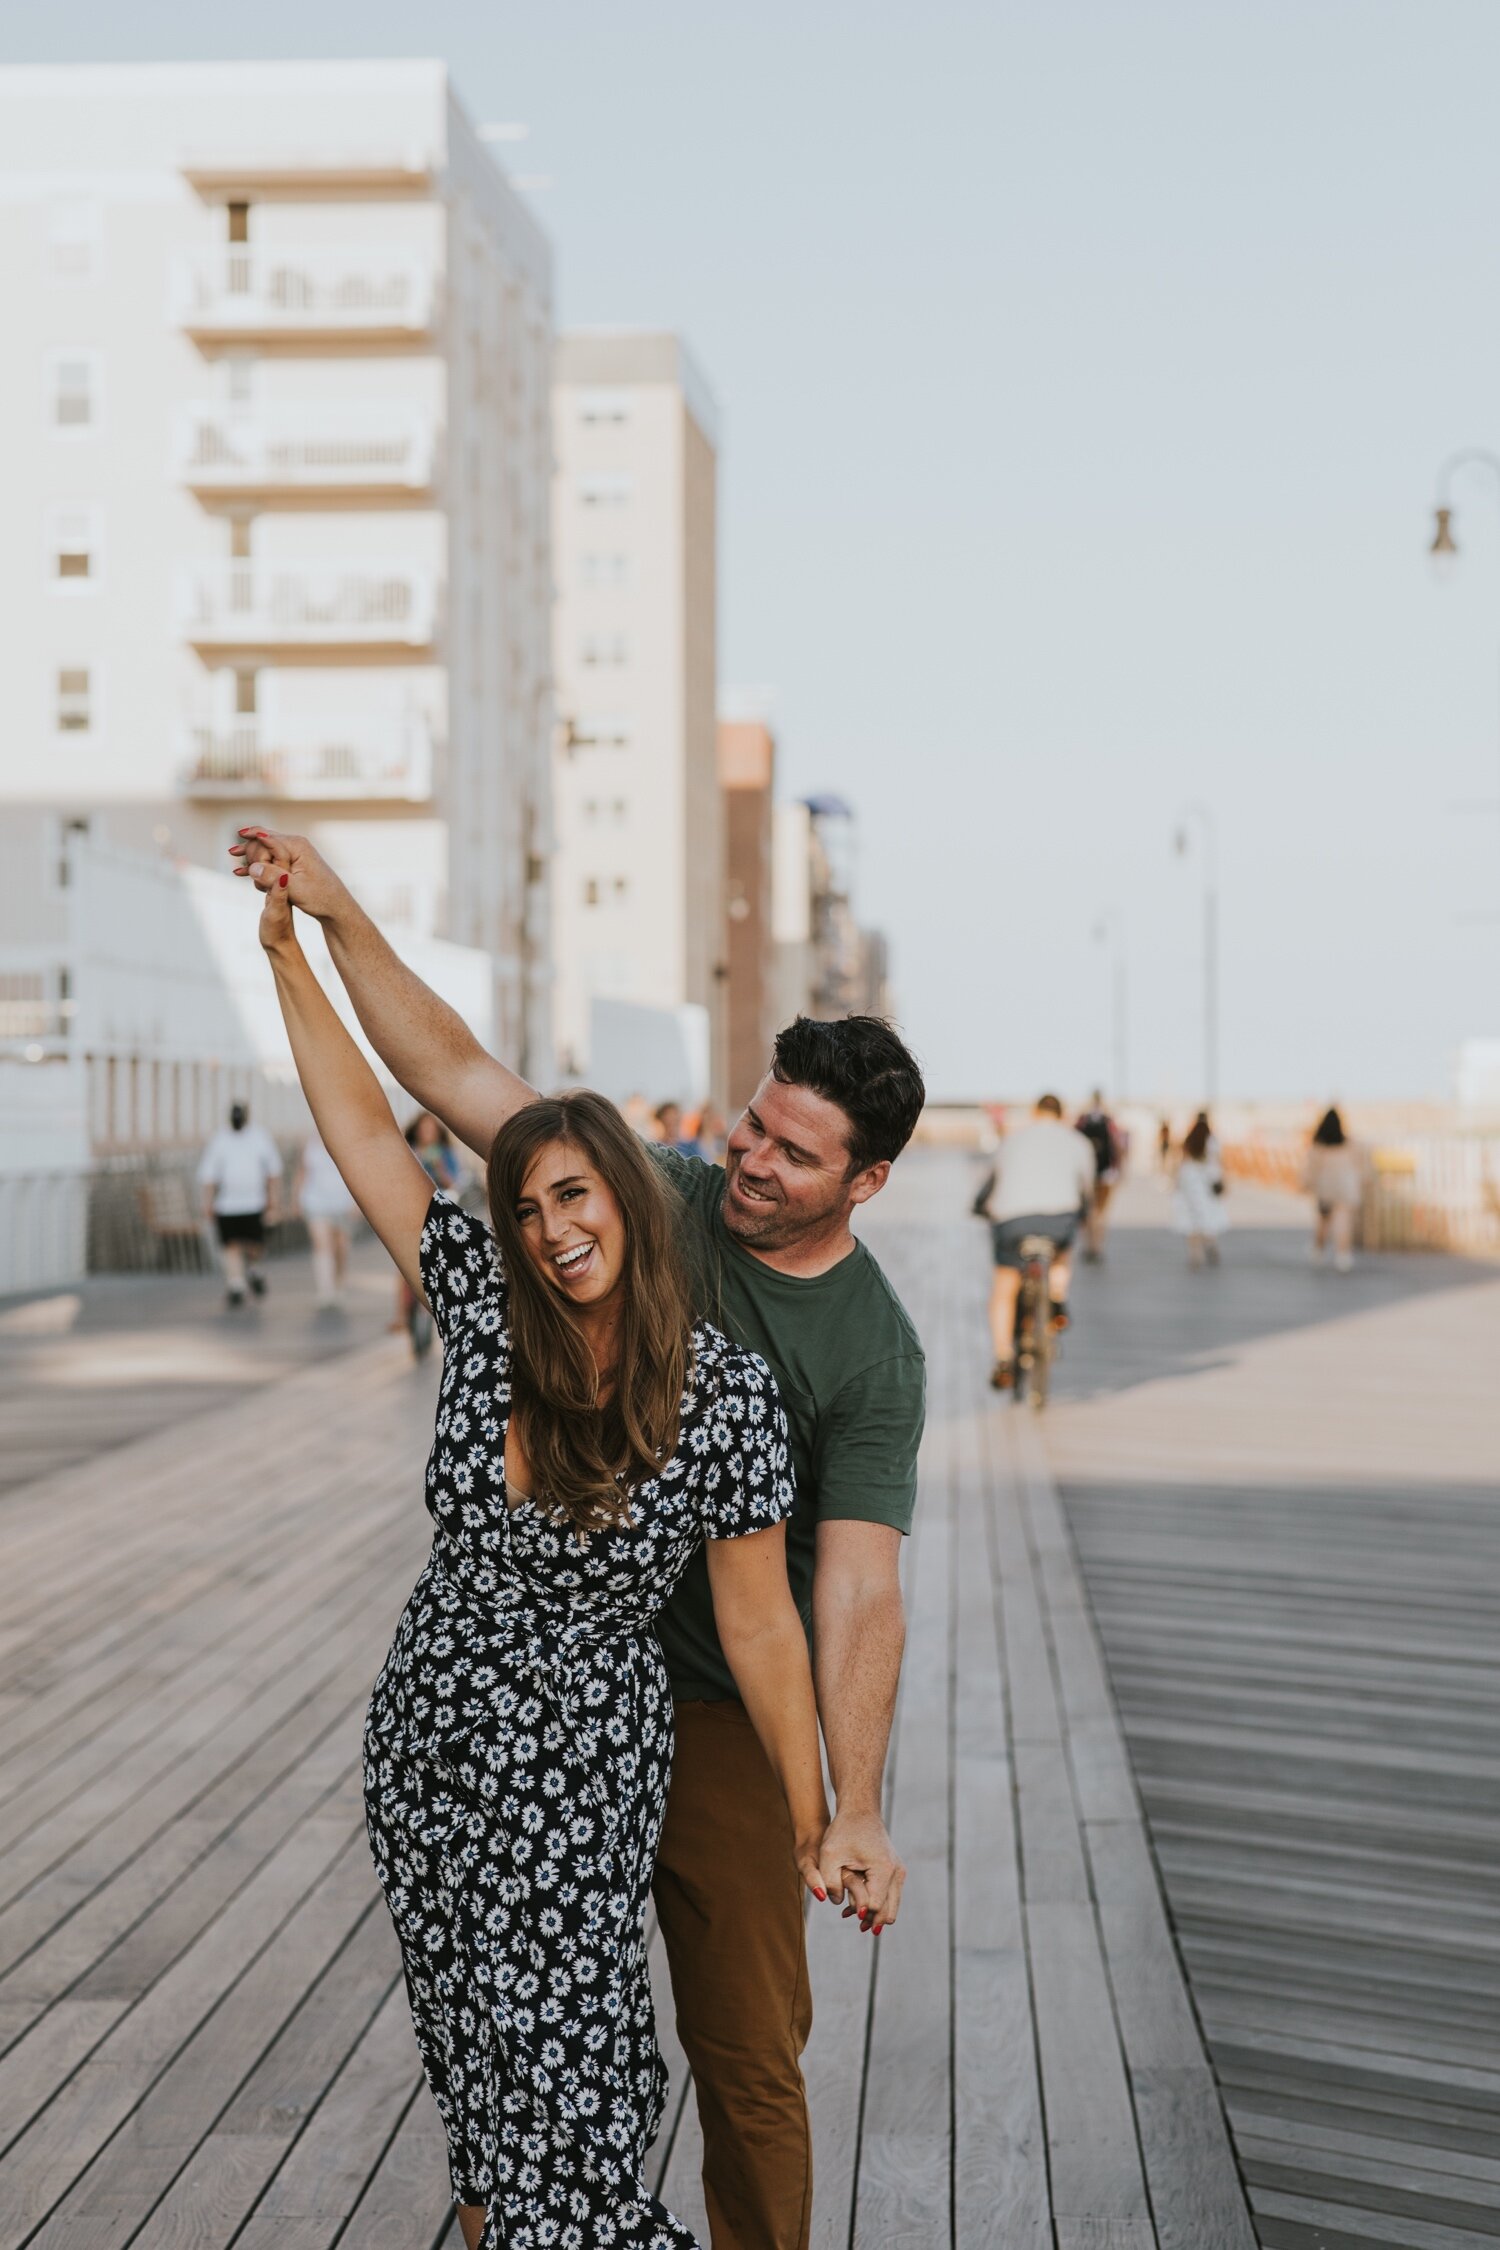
1285	1488
203	2036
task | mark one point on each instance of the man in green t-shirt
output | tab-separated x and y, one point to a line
778	1267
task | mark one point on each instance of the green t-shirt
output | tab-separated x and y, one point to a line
853	1382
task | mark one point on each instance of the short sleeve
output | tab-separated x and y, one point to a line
460	1265
866	1451
747	1464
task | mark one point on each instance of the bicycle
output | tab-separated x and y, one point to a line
1034	1334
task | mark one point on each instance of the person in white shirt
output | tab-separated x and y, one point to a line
240	1176
330	1211
1041	1183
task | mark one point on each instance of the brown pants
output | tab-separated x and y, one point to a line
729	1899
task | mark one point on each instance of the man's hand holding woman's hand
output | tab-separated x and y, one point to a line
292	867
860	1869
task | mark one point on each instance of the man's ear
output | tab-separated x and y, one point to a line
870	1181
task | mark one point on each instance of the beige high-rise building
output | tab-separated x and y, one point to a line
638	881
275	428
747	774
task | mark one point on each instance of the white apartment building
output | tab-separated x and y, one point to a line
638	881
275	426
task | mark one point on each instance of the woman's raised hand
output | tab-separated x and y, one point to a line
276	928
310	883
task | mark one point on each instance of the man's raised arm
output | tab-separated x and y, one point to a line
425	1045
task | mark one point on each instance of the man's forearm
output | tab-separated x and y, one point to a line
859	1638
425	1044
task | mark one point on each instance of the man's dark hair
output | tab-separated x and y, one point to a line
1050	1106
860	1063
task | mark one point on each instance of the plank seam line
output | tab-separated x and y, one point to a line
1025	1463
997	1604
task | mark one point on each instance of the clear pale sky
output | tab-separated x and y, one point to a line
1085	368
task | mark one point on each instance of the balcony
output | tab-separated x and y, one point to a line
260	293
313	608
313	451
386	756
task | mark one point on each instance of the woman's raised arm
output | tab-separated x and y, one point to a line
351	1113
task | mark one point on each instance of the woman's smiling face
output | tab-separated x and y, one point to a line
571	1225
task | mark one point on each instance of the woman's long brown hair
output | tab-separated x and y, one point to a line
585	1457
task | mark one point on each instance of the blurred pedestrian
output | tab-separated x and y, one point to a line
669	1129
1200	1212
428	1139
1333	1175
1108	1144
636	1111
710	1134
330	1211
240	1175
1164	1145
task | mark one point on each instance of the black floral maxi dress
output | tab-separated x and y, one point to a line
517	1754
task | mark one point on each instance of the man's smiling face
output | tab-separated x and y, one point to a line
787	1168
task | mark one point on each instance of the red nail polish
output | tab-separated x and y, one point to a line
285	880
823	1895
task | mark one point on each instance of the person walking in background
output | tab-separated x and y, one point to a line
1040	1183
1334	1177
239	1174
1164	1145
710	1135
428	1139
1200	1213
1108	1144
325	1203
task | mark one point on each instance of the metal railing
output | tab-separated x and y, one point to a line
349	447
381	756
263	604
1437	1191
127	1214
265	288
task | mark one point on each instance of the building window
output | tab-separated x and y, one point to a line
75	547
601	734
241	379
608	489
604	573
603	409
239	222
73	388
244	695
605	649
75	241
591	890
75	705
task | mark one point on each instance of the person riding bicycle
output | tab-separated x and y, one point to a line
1041	1183
1107	1141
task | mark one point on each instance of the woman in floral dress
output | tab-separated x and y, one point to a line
589	1437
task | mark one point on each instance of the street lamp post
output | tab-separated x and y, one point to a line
1444	548
1199	813
1110	929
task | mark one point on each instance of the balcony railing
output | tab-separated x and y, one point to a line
357	448
323	605
387	756
268	291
